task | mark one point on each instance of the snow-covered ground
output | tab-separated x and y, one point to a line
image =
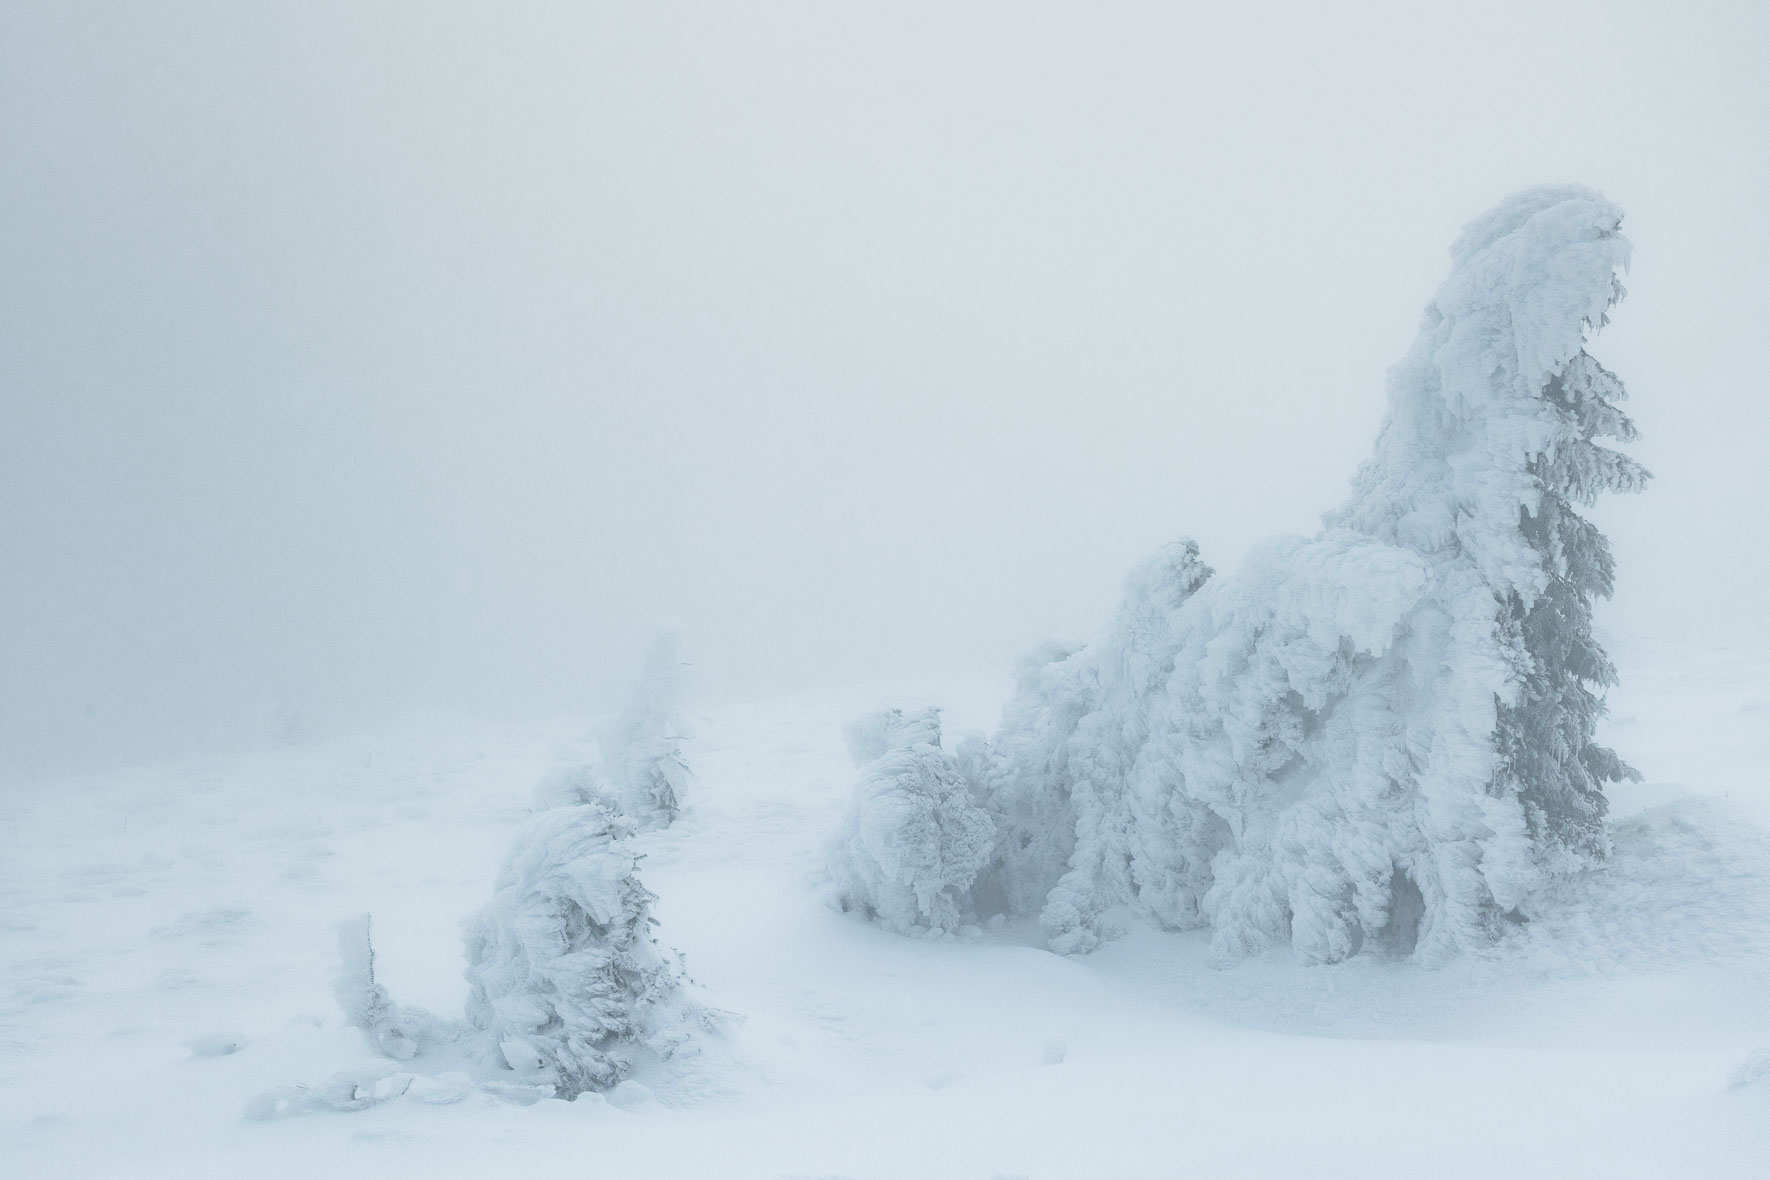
169	944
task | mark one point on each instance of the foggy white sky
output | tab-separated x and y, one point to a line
356	357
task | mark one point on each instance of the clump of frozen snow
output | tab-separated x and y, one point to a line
568	987
215	1045
1382	735
390	1030
912	840
364	1085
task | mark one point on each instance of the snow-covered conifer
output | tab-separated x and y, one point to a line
1023	780
1486	455
568	986
873	735
913	840
1132	663
1381	735
643	754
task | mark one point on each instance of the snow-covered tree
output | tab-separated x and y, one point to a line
1486	455
643	756
913	840
1023	780
1055	784
1131	663
1381	735
568	986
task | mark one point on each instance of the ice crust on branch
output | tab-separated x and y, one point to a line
1380	736
912	840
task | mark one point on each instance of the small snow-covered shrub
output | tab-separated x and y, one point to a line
568	986
643	756
913	840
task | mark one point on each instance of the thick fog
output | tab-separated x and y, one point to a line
356	358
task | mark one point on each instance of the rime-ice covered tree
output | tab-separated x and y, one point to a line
1382	735
1023	780
1131	663
1486	456
1056	782
643	755
567	985
913	840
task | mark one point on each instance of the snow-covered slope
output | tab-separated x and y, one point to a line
168	950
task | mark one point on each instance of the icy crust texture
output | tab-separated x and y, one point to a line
913	840
1382	735
566	982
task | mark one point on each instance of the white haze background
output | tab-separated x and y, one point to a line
356	358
